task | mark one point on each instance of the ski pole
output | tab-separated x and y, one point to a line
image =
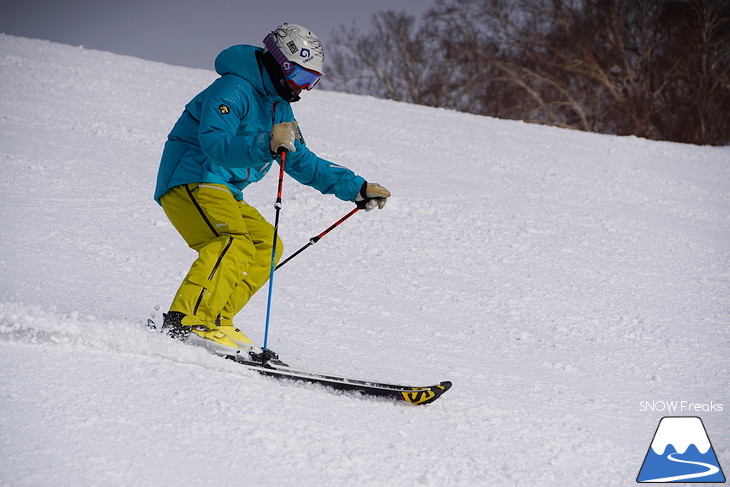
314	240
277	206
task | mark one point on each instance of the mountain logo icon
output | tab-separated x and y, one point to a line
681	452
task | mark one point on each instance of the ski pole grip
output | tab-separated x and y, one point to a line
282	152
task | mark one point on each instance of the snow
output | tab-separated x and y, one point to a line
680	432
558	278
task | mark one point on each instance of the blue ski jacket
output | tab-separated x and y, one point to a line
223	135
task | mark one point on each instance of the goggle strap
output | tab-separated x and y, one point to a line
270	44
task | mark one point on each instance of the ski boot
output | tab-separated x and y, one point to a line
192	330
172	325
234	334
221	338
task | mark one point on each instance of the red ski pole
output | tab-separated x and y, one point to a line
314	240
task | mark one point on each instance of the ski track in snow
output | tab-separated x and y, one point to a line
556	277
711	470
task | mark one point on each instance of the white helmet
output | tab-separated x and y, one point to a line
296	44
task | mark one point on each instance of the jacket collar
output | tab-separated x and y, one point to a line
274	79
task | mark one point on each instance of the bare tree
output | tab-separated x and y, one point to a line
657	69
393	61
701	98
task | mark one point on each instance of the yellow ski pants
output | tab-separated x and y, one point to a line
234	245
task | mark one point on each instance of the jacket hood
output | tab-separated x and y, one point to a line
242	61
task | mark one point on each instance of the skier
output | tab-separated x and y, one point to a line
228	137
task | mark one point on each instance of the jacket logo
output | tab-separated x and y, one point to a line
224	109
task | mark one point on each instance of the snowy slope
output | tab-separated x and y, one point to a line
557	278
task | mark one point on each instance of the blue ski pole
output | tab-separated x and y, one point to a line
277	206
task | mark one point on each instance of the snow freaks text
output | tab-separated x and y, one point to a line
680	407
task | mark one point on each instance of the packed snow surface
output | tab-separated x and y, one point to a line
563	281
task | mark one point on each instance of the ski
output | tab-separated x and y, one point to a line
410	394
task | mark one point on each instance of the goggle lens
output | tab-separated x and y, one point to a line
302	77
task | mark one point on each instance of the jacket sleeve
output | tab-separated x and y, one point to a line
223	107
324	176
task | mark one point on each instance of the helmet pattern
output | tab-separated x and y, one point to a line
299	45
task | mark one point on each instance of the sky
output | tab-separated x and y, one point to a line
183	32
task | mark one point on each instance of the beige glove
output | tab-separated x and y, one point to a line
283	136
372	195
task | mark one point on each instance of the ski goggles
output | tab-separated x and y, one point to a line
302	77
299	76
